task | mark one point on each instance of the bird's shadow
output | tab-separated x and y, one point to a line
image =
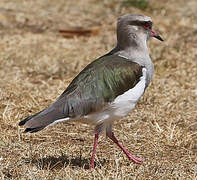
63	161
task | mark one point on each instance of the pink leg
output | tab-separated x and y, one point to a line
129	155
94	151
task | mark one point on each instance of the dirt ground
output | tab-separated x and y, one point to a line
37	63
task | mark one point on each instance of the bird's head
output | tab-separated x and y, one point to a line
133	27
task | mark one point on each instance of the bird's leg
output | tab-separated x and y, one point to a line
129	155
94	151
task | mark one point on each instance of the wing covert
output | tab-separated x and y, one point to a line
98	84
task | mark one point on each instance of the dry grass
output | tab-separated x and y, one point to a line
36	64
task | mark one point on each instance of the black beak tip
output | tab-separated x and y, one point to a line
159	37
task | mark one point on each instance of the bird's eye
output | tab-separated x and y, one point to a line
148	25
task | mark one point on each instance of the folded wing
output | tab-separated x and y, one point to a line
97	85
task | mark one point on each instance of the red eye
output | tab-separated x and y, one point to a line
146	27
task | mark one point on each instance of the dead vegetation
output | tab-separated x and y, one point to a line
37	63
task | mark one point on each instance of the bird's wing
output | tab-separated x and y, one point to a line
98	84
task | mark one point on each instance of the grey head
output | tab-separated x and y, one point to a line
134	30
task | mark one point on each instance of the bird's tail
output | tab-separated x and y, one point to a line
43	119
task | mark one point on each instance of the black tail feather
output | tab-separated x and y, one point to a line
42	119
21	123
32	130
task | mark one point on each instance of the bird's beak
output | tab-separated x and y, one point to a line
154	34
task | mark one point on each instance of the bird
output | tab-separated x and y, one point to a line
108	88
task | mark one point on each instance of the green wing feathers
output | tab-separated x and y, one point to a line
98	84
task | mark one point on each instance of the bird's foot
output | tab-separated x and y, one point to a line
135	159
91	168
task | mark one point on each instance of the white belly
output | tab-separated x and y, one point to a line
127	101
121	106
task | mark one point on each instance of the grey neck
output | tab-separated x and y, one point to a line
134	47
131	42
